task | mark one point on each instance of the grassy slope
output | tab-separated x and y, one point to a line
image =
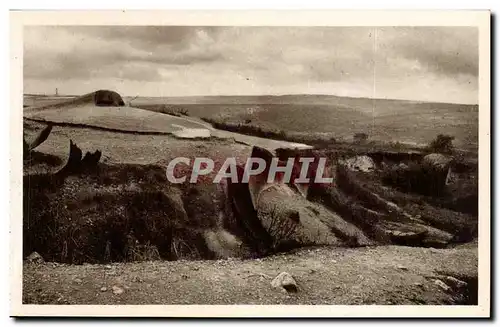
393	120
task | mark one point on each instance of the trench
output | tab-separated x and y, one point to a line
125	212
122	215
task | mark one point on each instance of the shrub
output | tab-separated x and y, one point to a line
442	144
275	134
183	111
281	229
177	112
417	179
360	137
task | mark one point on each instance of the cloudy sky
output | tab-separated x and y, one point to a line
415	63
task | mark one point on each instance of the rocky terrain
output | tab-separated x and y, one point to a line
110	230
373	275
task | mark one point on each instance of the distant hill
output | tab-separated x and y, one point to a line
340	117
383	119
363	104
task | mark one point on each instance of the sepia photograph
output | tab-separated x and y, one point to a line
248	164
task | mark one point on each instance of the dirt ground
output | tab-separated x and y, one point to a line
131	148
373	275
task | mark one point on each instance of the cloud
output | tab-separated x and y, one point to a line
445	50
144	36
59	52
358	61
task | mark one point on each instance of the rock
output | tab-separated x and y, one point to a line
138	279
402	166
406	237
78	280
441	284
104	289
436	243
285	280
35	258
402	267
360	163
455	283
117	290
437	160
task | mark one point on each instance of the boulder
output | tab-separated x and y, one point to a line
437	160
455	282
361	163
117	290
35	258
285	280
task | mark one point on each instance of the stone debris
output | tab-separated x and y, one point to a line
35	258
437	160
285	280
455	282
442	284
360	163
138	279
117	290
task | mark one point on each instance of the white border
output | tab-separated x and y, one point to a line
481	19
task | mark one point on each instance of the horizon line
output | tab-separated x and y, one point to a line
260	95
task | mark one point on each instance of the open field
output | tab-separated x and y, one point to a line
327	116
338	117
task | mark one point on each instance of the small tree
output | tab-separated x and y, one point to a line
442	144
360	137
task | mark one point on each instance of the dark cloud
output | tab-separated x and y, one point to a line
445	50
170	57
288	58
142	37
158	46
